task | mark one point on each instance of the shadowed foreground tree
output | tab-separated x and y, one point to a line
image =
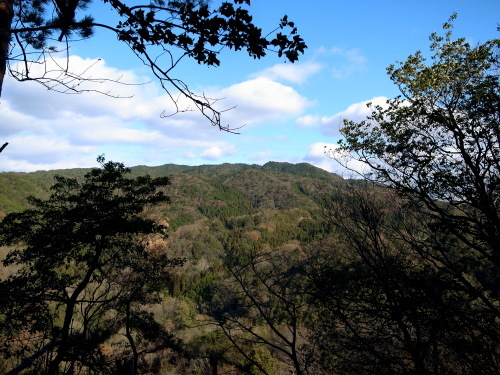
437	147
261	307
160	33
439	143
85	264
388	305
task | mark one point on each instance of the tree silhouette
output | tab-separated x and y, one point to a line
389	305
439	142
87	262
160	33
260	308
437	148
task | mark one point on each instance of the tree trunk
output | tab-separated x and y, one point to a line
53	368
6	14
212	359
131	363
28	362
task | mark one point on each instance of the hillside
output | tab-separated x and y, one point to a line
217	214
273	267
271	206
242	188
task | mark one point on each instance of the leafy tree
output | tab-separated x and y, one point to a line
87	262
439	142
160	33
437	147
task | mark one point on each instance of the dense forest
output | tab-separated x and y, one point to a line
218	218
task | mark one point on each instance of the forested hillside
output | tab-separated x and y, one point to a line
214	211
234	268
271	186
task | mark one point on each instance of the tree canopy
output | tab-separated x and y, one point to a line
160	33
426	258
439	142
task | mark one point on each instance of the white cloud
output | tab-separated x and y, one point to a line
9	164
98	77
294	73
309	121
331	125
212	153
261	99
217	152
56	130
328	157
28	153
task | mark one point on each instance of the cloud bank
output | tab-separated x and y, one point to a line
330	125
46	129
49	130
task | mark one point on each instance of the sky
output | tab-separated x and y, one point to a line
285	112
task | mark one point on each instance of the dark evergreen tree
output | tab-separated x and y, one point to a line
87	263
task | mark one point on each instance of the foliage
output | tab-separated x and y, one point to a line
389	307
160	33
194	186
225	202
260	308
439	143
417	282
300	169
89	261
439	147
283	221
402	278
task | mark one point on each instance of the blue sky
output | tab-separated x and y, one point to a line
289	112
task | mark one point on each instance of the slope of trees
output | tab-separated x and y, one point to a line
260	185
257	221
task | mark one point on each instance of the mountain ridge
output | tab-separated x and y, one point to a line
271	185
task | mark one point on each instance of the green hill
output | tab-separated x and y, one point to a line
239	188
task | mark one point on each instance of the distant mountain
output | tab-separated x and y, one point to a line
270	206
239	188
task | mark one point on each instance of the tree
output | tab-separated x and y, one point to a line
160	33
87	262
440	141
387	306
437	146
261	307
